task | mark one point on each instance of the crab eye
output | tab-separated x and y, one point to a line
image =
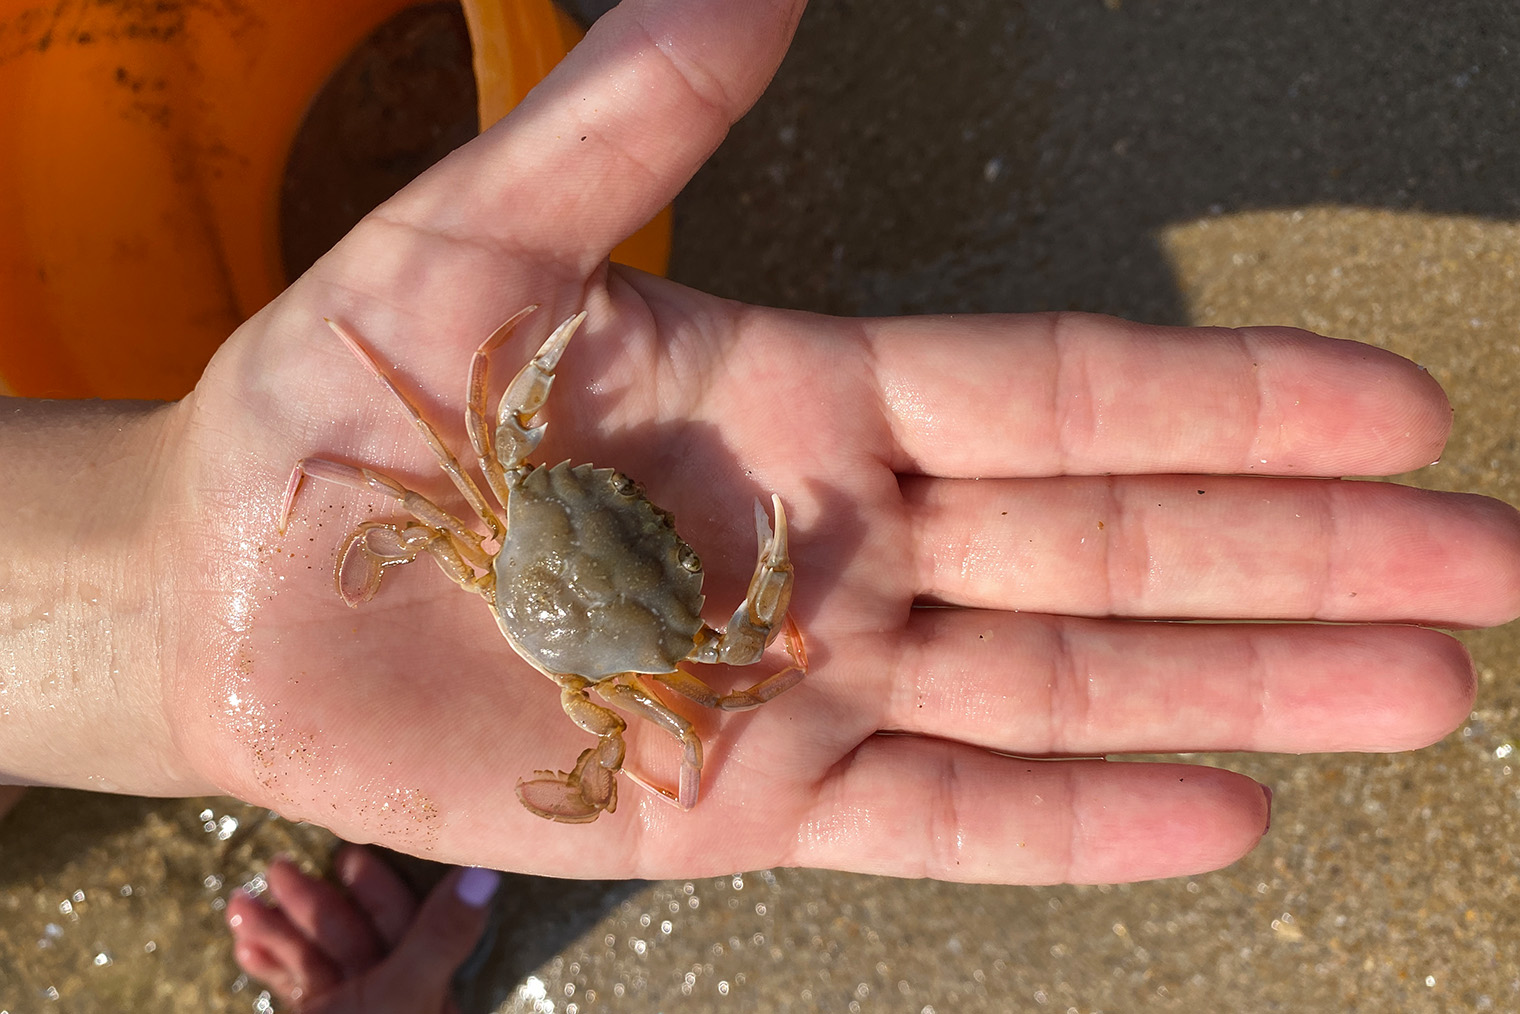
689	558
623	485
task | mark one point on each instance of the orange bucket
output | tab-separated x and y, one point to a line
145	148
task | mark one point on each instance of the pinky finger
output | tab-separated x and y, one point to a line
912	807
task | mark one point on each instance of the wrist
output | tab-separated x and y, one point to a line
83	639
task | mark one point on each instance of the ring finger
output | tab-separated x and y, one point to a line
1049	685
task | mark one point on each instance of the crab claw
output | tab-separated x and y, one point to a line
580	795
515	438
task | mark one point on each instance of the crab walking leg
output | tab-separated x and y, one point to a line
515	436
446	459
579	795
693	688
583	793
757	620
375	545
626	692
419	506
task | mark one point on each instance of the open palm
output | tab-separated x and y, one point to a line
981	508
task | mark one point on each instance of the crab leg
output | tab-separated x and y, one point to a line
476	423
580	794
516	437
419	506
446	459
625	691
691	687
374	545
757	620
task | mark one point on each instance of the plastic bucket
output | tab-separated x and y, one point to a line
142	152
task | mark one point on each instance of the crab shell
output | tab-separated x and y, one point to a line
592	579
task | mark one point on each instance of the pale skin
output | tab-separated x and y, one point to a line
1049	479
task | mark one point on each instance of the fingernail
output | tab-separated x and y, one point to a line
477	885
1266	790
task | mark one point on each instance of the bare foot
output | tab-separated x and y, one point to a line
365	946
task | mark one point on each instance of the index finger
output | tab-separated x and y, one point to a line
1079	394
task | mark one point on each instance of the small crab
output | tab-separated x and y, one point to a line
586	577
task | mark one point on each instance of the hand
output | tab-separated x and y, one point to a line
1049	480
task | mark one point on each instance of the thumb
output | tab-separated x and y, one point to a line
444	933
613	133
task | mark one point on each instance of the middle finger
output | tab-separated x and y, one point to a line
1215	547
